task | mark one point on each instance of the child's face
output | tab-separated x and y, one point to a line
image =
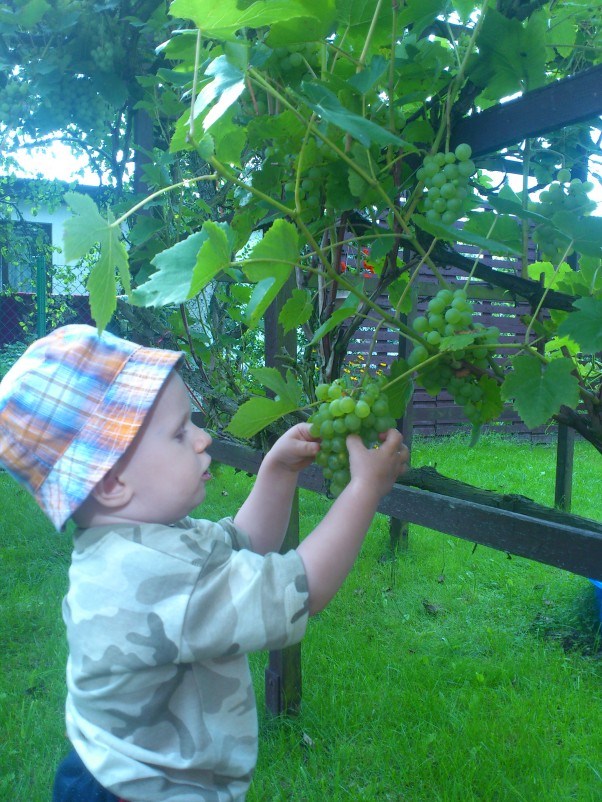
167	465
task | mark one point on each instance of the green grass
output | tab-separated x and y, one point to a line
446	674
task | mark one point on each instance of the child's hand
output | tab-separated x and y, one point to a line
295	449
378	468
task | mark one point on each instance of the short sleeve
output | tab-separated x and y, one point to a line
245	602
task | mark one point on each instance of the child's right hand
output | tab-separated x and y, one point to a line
378	468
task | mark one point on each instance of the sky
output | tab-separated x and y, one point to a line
57	162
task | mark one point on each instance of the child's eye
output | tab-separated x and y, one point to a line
180	435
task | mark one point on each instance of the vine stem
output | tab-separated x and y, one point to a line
187	182
197	62
370	35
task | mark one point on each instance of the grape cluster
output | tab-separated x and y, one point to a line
450	313
299	61
310	187
14	101
103	56
446	178
345	410
563	195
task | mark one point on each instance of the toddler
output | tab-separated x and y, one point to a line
162	609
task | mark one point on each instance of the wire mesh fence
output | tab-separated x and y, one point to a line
37	302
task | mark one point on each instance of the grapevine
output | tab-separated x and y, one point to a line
345	410
461	370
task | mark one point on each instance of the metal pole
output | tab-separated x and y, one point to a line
41	295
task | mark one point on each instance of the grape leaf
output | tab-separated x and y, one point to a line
396	291
585	325
453	234
222	20
270	264
286	389
296	311
539	390
347	309
364	80
327	106
491	405
185	268
551	276
257	413
86	230
226	87
400	392
457	342
586	232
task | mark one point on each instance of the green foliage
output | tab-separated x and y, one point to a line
85	231
289	135
538	389
257	413
8	356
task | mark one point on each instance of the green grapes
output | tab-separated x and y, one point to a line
347	410
446	179
449	313
563	195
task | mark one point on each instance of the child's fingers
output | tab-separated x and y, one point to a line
354	445
302	432
393	441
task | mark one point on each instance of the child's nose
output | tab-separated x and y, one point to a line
202	439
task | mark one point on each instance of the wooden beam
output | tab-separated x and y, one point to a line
567	547
566	102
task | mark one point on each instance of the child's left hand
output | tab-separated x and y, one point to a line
295	449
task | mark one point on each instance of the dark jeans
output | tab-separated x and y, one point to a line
74	783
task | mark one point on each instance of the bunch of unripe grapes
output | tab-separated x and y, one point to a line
299	61
103	56
345	410
450	313
446	178
563	195
13	100
310	186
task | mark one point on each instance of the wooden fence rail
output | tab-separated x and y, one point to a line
507	523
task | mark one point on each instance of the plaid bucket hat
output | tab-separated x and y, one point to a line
69	409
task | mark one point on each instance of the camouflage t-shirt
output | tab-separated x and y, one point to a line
159	619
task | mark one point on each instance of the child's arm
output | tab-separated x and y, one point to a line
329	551
265	514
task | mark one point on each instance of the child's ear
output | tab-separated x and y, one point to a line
112	491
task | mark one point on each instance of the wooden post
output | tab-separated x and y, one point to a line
399	531
283	674
41	296
565	450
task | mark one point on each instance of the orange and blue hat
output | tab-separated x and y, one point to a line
69	409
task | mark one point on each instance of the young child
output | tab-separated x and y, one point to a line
162	609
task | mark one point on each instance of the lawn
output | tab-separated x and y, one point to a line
447	674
